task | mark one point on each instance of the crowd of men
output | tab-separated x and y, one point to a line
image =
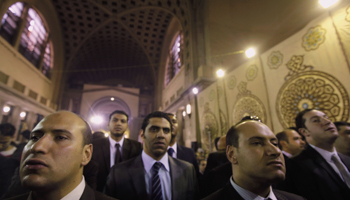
62	161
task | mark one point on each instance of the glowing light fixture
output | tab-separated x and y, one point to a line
327	3
188	109
195	90
96	119
106	134
112	98
23	114
220	73
250	52
6	109
184	113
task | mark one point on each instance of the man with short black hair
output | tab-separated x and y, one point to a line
257	163
114	149
318	172
54	158
178	151
290	142
153	174
342	144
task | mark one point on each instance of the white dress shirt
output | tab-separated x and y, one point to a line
328	157
248	195
164	174
113	149
175	150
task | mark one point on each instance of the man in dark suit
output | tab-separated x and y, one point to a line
54	158
178	151
218	158
257	163
290	142
318	172
106	153
153	174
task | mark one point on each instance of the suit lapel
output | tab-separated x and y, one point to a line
345	159
320	161
176	179
106	154
88	193
137	174
180	153
126	149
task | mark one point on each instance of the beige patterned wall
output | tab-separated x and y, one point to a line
307	70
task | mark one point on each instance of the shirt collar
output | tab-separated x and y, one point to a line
148	161
113	142
325	154
246	194
74	194
174	147
287	154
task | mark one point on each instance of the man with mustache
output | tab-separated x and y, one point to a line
114	149
54	158
153	174
257	163
318	172
290	142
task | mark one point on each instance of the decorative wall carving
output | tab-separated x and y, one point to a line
275	59
314	37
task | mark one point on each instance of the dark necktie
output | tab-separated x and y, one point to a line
156	187
170	152
342	170
118	156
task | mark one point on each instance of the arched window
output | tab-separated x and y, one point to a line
33	40
174	59
10	21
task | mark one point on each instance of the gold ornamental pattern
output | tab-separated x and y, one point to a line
314	37
275	60
313	90
252	72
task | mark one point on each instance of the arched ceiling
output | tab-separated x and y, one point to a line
116	41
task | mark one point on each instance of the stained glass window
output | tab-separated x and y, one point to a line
47	62
33	38
10	20
174	60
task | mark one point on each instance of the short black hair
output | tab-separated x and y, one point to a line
155	114
295	129
337	124
299	120
232	136
7	129
119	112
281	136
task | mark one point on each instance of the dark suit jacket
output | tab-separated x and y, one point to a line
229	193
88	194
215	179
127	180
7	169
309	175
215	159
187	154
101	155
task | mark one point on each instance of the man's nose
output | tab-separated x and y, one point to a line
273	150
42	145
160	133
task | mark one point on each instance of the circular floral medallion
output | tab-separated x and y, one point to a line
275	59
314	37
231	82
212	94
248	105
252	72
313	90
347	17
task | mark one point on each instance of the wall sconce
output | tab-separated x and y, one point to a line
188	110
184	113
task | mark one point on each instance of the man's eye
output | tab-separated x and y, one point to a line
166	130
154	129
257	143
34	137
61	137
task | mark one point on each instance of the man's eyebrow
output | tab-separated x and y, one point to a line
57	131
256	138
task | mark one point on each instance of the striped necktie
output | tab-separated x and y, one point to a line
342	170
156	187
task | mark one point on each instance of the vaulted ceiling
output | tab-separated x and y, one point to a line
115	41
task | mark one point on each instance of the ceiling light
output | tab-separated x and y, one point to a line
195	90
112	98
220	73
23	114
6	109
96	119
250	52
327	3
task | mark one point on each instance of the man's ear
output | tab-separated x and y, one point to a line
284	144
304	132
231	153
142	135
87	154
